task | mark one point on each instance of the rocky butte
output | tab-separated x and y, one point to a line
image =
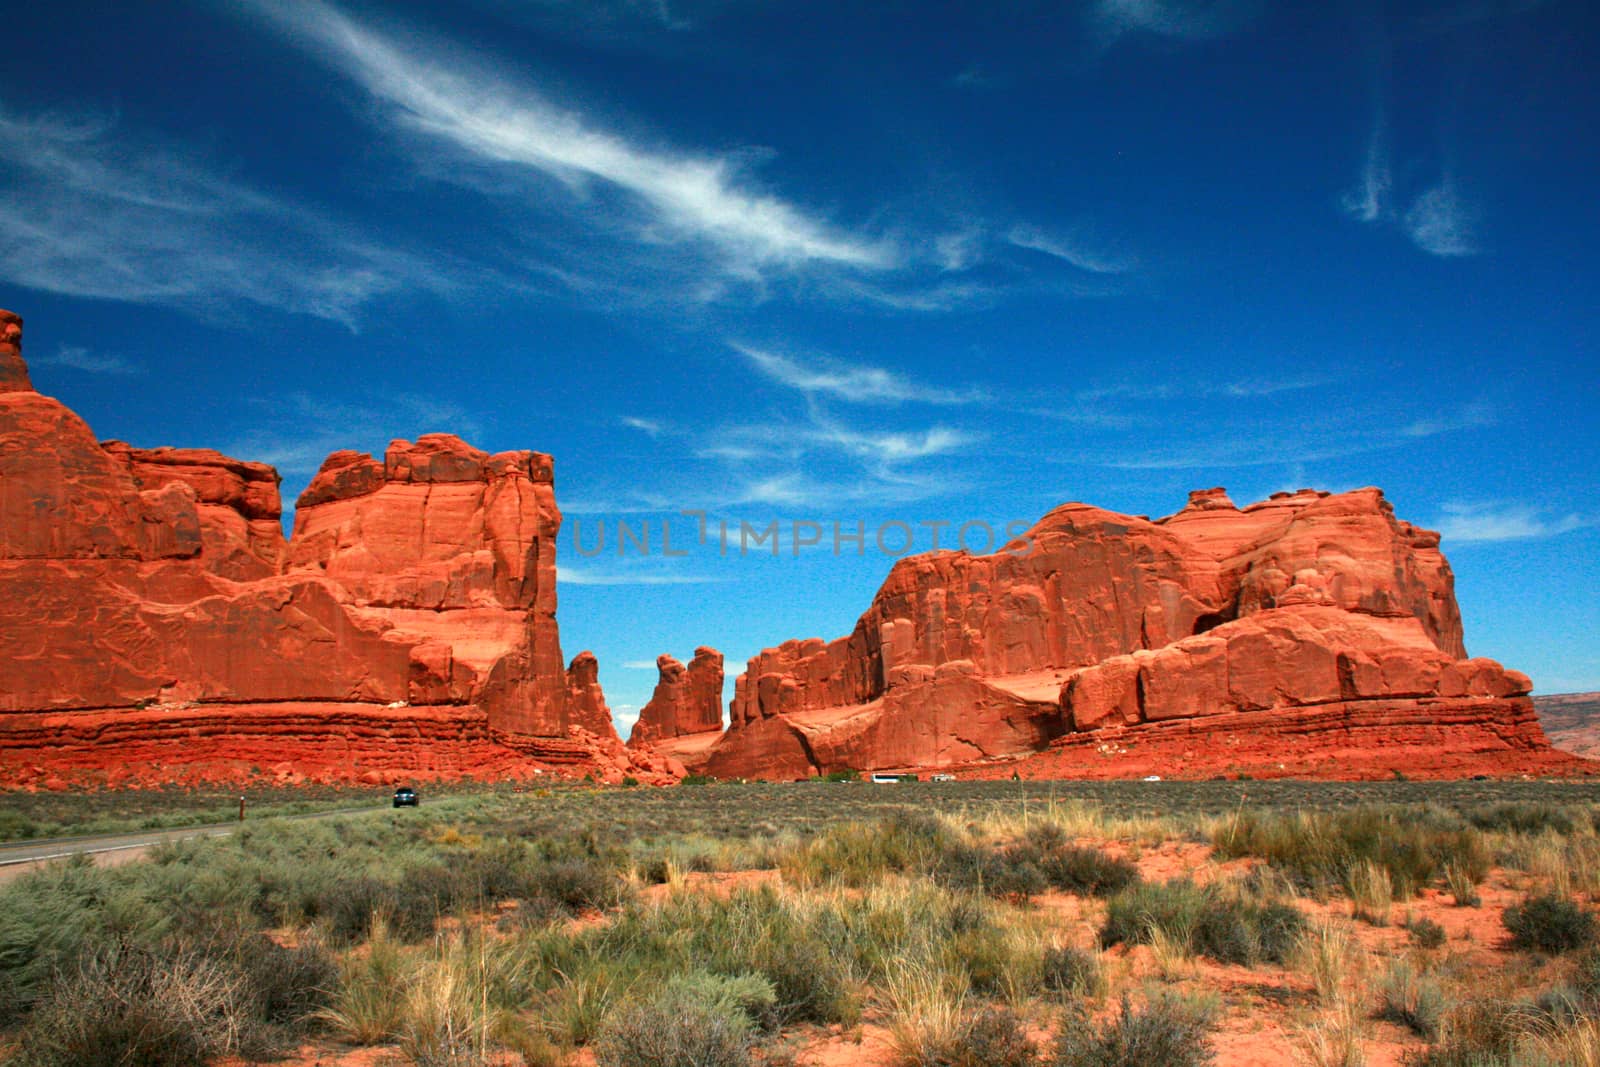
684	715
1310	634
158	626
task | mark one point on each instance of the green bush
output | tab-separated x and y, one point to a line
1240	931
1010	874
991	1038
1173	907
1207	921
579	884
1549	923
1530	818
1478	1033
860	854
1167	1032
1324	849
135	1008
348	907
696	1020
1071	971
1087	871
1411	999
1425	933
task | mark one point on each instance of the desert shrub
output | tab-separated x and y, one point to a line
1478	1033
1549	923
760	933
990	1038
806	955
1204	921
860	854
1010	873
500	870
808	983
1412	999
1042	859
578	884
1168	1031
1173	907
1087	871
1322	849
1371	891
1586	973
1000	962
1529	818
289	984
1241	931
1463	889
348	908
656	863
367	1007
52	918
699	1019
454	1012
133	1007
1068	971
14	826
1425	933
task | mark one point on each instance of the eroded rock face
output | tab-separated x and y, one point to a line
418	589
13	371
1097	621
687	700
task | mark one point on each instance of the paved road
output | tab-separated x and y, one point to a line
23	855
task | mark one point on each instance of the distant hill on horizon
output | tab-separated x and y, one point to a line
1571	721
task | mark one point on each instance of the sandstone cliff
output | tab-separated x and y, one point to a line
684	715
154	617
1311	608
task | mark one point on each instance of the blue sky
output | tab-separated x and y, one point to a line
842	262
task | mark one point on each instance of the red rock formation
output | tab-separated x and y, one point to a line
586	702
237	503
1307	606
687	703
148	597
13	371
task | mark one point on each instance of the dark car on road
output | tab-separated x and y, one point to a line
405	797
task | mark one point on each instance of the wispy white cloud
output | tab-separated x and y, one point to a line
958	249
1335	436
1239	388
892	447
1505	522
1442	222
1472	416
673	196
92	210
1071	248
571	575
1368	201
645	426
75	357
851	382
877	447
1188	20
973	76
639	665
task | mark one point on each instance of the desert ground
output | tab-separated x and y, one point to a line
830	922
